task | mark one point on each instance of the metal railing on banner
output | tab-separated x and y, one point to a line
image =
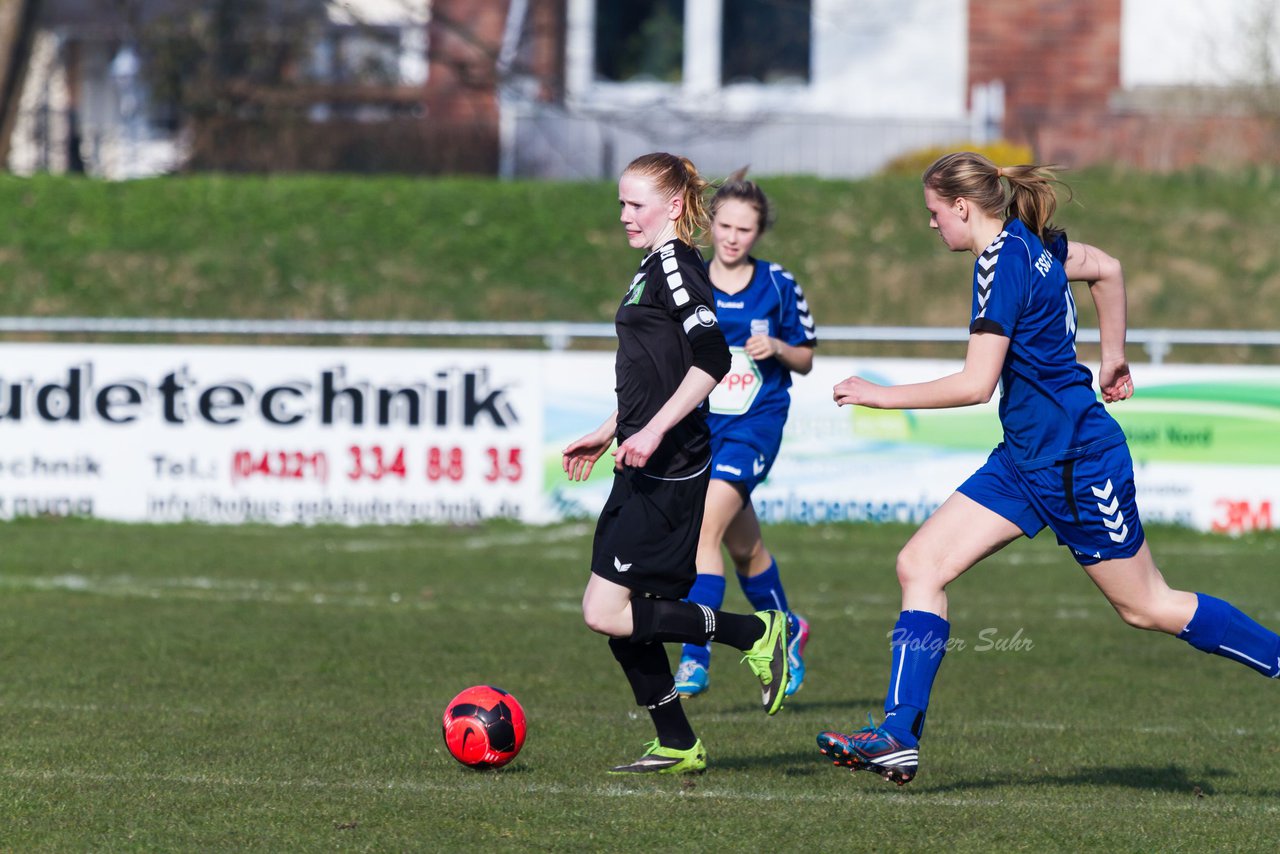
560	335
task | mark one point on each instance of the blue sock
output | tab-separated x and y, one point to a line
707	590
918	643
1223	629
764	591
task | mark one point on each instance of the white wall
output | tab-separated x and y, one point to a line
1195	42
899	58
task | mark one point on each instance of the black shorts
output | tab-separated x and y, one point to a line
647	535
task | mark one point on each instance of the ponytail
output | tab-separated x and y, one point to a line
1025	192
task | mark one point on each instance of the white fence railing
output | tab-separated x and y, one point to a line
557	335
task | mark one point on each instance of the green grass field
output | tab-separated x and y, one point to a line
186	688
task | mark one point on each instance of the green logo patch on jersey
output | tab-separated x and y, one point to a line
633	295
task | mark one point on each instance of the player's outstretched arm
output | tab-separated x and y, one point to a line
581	455
975	383
1105	277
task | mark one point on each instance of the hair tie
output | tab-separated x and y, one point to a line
999	171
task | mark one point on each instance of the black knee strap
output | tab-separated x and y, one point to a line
644	619
654	619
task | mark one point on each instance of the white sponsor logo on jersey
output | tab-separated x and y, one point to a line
738	389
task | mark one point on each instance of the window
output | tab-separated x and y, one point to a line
362	55
639	40
765	41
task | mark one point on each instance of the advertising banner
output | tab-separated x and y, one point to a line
258	434
307	435
1204	441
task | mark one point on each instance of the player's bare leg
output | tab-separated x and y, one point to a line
1137	590
606	607
959	534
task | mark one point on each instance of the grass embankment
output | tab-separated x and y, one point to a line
1199	248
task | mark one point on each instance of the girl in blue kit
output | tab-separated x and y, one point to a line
766	322
1063	463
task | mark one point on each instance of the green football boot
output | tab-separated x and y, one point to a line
767	659
667	760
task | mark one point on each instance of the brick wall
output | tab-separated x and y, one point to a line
461	96
1059	61
465	37
463	42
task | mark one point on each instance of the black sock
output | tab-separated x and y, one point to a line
672	725
649	672
739	631
675	621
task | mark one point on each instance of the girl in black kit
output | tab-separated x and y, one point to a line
671	354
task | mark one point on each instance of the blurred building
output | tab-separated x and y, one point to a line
576	88
130	88
838	87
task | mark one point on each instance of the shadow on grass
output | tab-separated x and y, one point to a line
786	762
854	710
1168	778
848	715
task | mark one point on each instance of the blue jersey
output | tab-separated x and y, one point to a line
1048	407
752	400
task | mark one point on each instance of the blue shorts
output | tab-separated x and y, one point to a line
739	463
1089	502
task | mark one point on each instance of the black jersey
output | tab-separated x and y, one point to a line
668	305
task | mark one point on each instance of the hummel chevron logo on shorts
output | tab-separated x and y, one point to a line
1112	517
